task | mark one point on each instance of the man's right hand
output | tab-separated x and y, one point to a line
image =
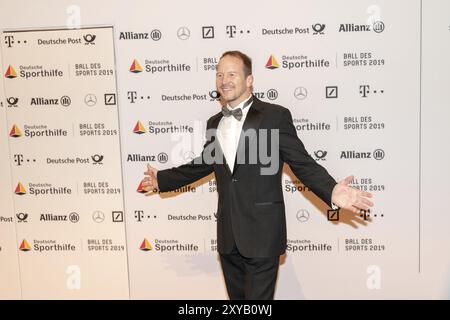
150	182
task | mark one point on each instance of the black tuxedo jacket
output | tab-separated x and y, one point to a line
251	212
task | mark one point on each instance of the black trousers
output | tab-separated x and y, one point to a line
249	278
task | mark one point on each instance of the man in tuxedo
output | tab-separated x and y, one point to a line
247	144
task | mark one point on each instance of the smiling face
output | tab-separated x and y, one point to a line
231	82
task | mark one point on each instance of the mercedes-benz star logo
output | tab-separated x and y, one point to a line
302	215
300	93
90	99
183	33
98	216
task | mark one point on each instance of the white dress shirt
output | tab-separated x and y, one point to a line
229	132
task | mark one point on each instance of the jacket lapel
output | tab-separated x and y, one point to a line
214	125
252	122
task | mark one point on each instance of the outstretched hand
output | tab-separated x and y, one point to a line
350	198
150	182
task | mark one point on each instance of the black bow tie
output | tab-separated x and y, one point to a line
237	113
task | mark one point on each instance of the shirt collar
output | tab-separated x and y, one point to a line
240	105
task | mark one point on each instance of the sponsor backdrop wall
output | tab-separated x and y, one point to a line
93	91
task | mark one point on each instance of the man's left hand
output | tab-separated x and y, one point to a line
350	198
